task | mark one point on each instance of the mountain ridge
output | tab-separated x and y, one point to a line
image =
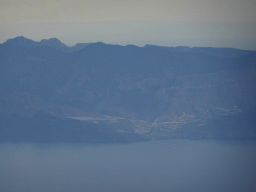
152	92
52	42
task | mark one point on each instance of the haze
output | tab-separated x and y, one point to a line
229	23
162	166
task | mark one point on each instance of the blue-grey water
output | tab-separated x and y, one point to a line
157	166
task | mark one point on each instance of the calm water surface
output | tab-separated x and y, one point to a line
157	166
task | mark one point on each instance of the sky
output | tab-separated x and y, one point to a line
200	23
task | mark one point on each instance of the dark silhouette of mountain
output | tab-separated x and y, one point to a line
21	41
52	42
153	92
228	53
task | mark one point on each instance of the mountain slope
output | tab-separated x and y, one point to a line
154	92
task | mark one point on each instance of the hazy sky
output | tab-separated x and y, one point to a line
217	23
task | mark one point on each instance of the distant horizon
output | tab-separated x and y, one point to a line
123	44
170	23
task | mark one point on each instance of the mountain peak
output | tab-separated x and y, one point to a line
20	40
52	42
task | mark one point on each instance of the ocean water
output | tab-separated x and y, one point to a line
156	166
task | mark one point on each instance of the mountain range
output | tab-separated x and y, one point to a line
101	93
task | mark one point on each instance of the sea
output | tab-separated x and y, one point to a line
155	166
